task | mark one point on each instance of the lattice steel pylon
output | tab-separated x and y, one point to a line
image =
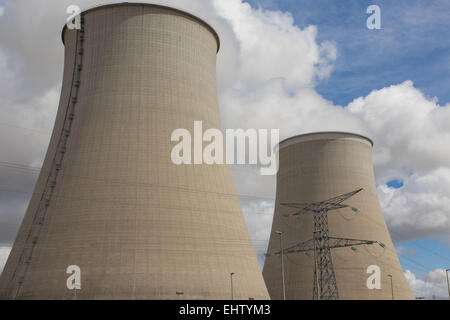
325	286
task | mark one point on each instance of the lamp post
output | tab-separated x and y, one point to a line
448	285
392	288
282	263
231	279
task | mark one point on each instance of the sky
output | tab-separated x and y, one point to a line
412	44
310	64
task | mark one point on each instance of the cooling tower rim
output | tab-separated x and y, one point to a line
323	135
173	8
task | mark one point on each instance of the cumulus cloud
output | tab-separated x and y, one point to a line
258	216
271	39
276	86
419	208
279	65
410	129
431	286
411	133
25	127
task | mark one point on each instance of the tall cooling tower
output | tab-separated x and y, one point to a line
109	199
331	230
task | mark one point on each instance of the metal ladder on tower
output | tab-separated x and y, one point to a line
32	239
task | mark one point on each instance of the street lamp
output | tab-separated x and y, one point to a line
448	285
282	263
392	288
231	278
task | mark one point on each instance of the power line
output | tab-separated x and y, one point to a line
141	184
418	264
34	169
162	207
393	232
46	133
324	282
394	251
396	233
20	167
260	246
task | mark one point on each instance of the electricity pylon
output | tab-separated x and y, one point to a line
325	287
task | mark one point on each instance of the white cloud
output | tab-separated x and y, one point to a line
2	11
37	114
272	47
411	135
25	126
420	208
410	130
279	65
433	285
4	253
272	105
259	215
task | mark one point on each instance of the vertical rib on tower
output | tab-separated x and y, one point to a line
108	198
314	168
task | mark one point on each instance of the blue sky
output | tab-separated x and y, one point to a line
413	44
420	256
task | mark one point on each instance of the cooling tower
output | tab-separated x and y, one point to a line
109	199
331	230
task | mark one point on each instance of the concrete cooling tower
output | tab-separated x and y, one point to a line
109	200
329	223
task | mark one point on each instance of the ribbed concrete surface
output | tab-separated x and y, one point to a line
314	168
138	226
